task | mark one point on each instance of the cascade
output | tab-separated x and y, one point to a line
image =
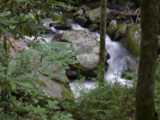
118	61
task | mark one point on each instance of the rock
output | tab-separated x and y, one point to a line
88	60
111	29
52	88
95	14
49	77
53	82
133	38
84	42
88	16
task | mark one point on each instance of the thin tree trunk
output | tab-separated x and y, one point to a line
147	65
101	71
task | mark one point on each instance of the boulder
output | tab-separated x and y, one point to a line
53	82
84	42
111	29
132	39
87	46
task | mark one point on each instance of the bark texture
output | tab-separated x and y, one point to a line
147	65
101	71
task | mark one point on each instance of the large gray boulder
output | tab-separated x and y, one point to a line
86	43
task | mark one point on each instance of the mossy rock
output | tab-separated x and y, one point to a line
53	88
133	38
112	28
94	14
58	77
121	30
51	80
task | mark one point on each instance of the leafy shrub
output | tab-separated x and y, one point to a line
20	98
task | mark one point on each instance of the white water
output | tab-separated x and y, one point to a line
118	62
82	87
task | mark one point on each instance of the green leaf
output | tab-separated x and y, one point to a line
13	85
25	83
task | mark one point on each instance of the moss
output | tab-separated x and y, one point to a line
41	83
93	25
133	39
121	29
66	91
112	27
94	15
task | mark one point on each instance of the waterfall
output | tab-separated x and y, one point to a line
118	63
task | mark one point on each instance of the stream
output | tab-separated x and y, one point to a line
118	62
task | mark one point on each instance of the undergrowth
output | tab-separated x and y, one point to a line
111	102
19	97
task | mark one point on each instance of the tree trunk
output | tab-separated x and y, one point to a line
101	71
147	65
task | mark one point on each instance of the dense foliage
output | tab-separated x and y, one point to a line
20	99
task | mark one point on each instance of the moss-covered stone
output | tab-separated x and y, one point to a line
94	15
133	38
66	92
52	81
111	29
53	88
121	30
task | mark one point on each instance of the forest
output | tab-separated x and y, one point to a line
79	60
